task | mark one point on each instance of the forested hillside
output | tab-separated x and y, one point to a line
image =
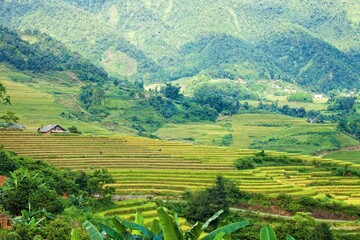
40	53
312	43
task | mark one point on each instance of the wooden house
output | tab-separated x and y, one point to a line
5	221
2	180
52	128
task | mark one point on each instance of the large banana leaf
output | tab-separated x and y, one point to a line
215	216
110	232
75	234
219	236
155	226
267	233
139	219
166	222
146	232
226	229
289	237
92	231
194	232
119	225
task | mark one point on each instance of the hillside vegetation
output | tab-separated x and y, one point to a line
314	44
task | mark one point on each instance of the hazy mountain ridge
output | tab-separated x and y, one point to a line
146	39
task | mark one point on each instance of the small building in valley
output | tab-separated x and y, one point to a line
5	221
52	128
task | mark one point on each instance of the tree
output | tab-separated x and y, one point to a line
303	226
92	95
224	97
7	163
204	204
172	92
10	118
74	129
342	104
322	232
94	184
3	98
58	229
24	187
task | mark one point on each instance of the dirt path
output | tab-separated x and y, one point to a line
288	217
351	148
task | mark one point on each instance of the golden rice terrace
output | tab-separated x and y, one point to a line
153	167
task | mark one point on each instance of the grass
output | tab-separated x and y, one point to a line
318	104
262	131
40	100
351	156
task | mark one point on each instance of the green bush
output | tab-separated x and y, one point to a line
300	97
244	163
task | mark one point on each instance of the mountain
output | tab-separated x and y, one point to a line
40	53
158	41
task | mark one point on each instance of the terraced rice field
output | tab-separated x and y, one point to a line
160	168
351	156
126	209
262	131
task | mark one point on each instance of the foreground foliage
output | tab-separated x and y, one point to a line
165	228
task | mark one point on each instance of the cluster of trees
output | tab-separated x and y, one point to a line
306	59
37	194
341	103
347	117
45	54
167	105
351	125
264	159
300	97
286	110
224	97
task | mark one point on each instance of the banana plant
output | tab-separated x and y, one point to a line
29	218
267	233
166	228
172	230
75	234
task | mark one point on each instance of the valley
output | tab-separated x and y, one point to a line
175	120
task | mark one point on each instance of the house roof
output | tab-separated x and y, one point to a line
2	180
49	127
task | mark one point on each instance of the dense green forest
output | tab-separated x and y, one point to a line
44	54
308	60
153	41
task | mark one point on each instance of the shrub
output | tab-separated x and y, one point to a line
74	129
244	163
300	97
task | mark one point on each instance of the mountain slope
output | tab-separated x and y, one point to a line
145	39
39	53
311	61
